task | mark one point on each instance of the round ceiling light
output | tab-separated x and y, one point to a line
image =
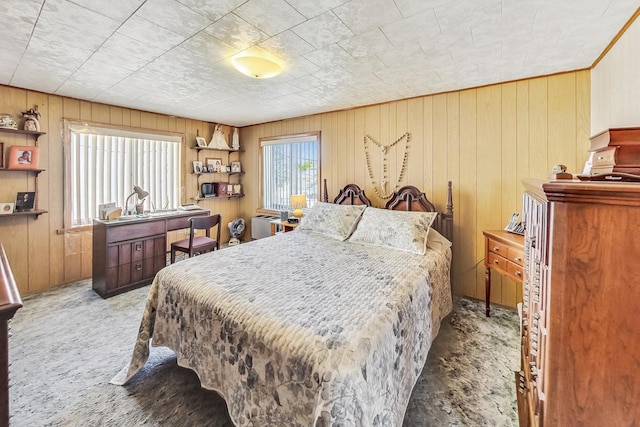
256	67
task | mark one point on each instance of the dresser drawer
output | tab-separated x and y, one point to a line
516	256
496	261
514	270
497	248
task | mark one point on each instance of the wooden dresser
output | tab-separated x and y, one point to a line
581	296
504	253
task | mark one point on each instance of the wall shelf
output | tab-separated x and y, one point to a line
218	149
34	212
213	173
22	132
229	196
36	171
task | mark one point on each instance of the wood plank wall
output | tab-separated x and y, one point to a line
485	140
41	253
615	86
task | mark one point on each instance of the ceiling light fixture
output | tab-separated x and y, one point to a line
257	67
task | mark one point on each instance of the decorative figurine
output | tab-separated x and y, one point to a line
236	229
31	122
6	122
236	140
218	140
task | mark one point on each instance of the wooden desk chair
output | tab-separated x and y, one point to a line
195	245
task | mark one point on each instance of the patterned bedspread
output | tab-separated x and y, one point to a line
300	329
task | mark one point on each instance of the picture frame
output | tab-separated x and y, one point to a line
23	157
6	208
201	142
1	154
197	166
25	201
215	162
236	167
237	188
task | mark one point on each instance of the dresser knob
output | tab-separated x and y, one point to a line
518	259
495	261
496	248
518	273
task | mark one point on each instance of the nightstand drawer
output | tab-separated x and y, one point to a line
496	261
516	255
498	248
514	270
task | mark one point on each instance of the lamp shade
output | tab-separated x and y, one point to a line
255	66
140	192
297	202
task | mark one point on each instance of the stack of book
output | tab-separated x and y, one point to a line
614	150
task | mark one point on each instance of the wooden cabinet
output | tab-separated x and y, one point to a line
127	254
284	226
504	253
225	184
581	293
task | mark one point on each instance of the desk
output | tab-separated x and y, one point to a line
127	254
286	226
503	252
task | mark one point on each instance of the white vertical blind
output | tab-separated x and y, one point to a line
291	166
107	163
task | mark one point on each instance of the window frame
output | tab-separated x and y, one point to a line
67	173
284	138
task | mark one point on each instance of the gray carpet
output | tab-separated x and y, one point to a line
67	344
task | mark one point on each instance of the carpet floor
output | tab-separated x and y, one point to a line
68	343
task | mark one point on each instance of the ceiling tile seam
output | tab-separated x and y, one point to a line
98	48
35	24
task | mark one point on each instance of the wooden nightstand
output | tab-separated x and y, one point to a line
286	226
503	252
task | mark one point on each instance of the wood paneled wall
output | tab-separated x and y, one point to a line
485	140
41	253
615	86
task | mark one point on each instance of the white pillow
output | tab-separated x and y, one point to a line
335	221
402	230
437	241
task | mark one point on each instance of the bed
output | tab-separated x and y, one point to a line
309	327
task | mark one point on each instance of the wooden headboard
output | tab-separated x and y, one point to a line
408	198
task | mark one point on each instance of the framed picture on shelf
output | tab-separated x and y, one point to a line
237	188
201	142
1	154
235	167
197	166
23	157
215	162
25	201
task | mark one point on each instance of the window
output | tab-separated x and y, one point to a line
290	165
104	164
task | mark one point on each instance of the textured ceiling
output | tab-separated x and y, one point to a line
172	56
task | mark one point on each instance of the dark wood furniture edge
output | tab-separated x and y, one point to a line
414	199
10	302
352	193
408	194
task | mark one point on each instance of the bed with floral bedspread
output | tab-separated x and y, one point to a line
301	329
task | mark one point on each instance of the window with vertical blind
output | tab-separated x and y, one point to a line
290	165
103	165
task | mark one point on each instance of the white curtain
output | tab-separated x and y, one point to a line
107	163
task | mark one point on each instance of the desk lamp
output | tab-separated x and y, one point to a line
297	202
141	195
